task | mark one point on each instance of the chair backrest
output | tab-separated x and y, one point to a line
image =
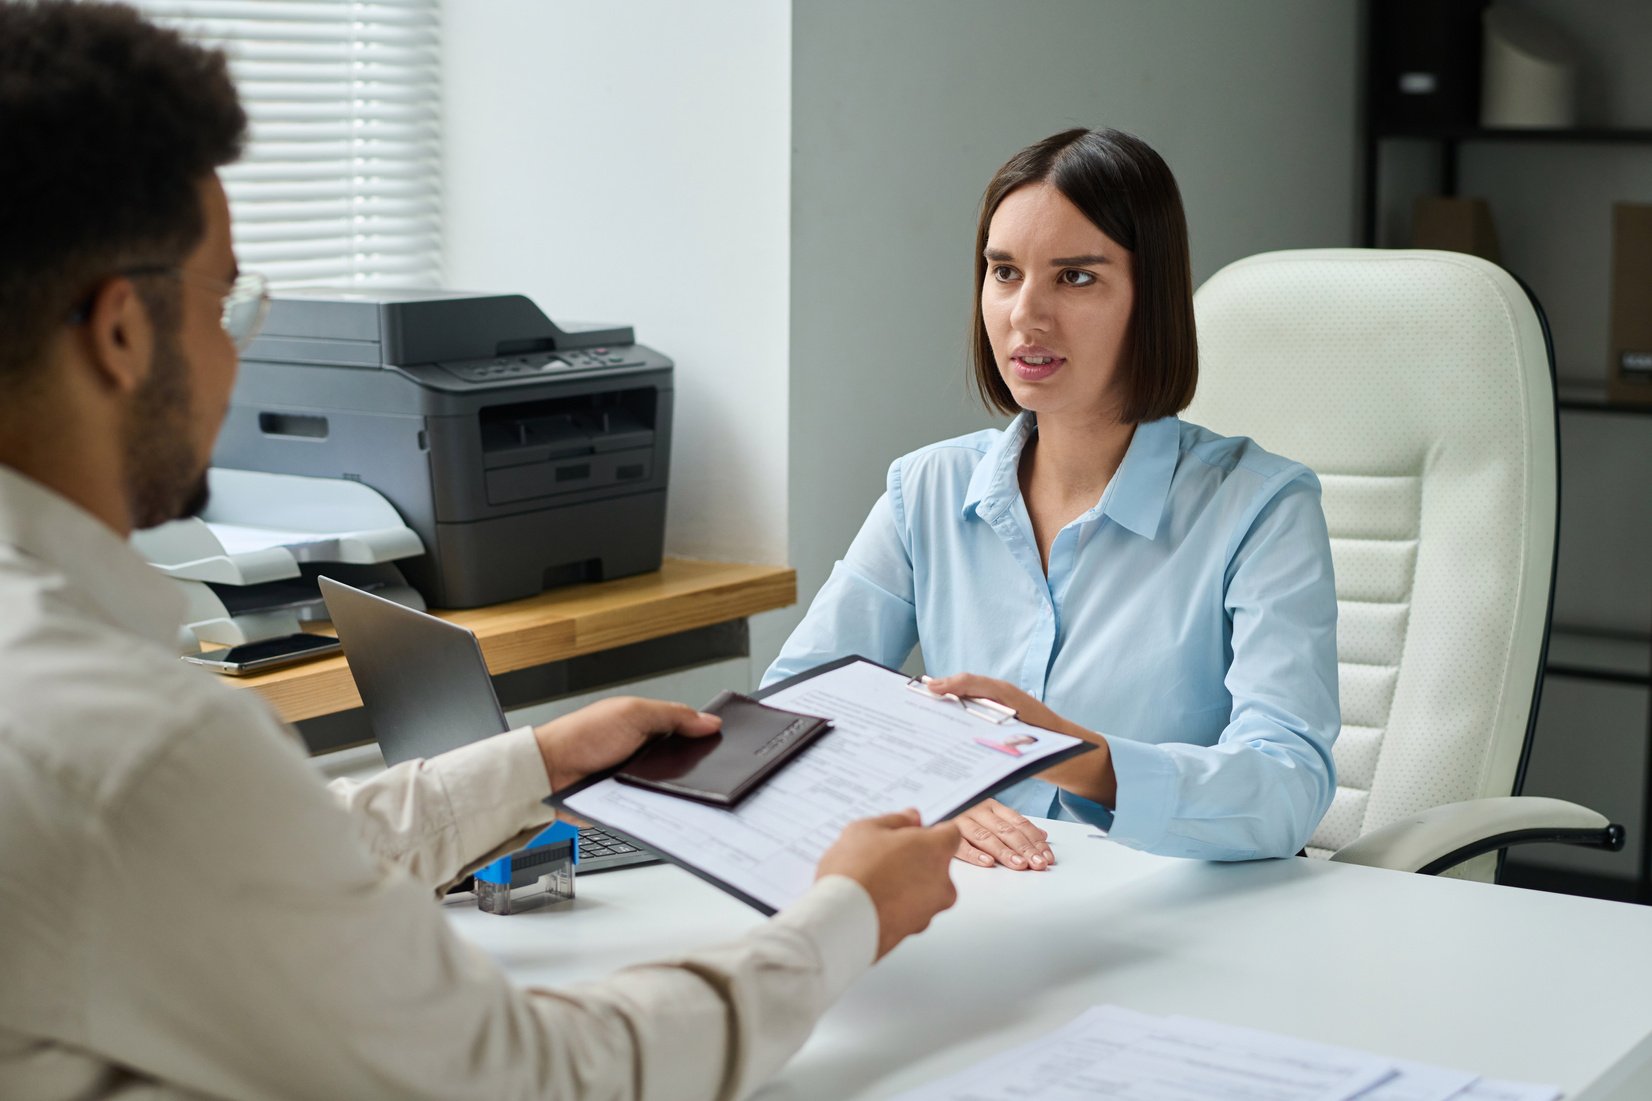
1418	386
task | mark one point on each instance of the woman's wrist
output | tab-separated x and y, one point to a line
1089	775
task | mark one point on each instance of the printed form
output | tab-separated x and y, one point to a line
1108	1051
1121	1054
889	748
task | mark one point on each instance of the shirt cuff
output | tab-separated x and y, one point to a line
839	919
1147	782
495	787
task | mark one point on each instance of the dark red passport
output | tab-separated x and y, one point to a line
756	740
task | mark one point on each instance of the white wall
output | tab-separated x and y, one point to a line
900	114
630	162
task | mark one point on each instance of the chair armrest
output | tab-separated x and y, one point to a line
1440	837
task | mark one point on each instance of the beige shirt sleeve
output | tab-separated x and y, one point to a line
440	819
251	938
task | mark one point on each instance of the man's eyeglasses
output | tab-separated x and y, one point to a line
246	303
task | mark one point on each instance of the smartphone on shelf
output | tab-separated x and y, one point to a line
270	653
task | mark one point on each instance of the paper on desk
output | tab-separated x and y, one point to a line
1410	1081
1119	1053
1407	1080
1127	1056
1494	1089
889	748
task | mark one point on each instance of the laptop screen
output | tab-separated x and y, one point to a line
423	681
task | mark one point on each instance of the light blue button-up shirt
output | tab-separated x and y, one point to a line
1190	617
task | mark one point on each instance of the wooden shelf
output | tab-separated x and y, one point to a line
560	624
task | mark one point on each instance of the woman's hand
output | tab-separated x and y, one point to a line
1028	710
1089	775
991	833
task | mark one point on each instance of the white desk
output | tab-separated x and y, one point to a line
1506	982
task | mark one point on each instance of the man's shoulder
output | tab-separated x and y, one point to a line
88	708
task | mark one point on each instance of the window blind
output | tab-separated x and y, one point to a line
341	181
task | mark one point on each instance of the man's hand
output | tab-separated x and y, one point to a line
991	833
607	732
902	865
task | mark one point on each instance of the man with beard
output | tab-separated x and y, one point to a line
184	909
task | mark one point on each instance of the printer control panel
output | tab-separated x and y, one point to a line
515	368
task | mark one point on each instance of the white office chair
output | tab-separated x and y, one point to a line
1419	387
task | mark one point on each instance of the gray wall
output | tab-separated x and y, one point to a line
900	114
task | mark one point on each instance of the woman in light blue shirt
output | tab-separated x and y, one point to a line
1101	566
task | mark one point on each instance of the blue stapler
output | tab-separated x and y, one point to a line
539	874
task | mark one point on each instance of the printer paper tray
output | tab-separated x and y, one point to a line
259	527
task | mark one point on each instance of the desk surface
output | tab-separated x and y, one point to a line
560	624
1501	981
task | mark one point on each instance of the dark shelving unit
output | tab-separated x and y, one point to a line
1603	659
1613	660
1450	138
1593	399
1608	658
1572	135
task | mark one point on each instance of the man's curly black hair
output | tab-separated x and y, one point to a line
108	125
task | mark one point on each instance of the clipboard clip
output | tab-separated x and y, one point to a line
990	710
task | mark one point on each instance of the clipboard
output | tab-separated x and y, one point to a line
679	850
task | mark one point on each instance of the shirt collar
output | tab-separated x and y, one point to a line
995	483
1137	495
106	576
1134	499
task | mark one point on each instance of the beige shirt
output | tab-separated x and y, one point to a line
186	910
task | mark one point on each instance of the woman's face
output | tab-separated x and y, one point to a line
1056	301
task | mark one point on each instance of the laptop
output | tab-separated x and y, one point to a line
426	690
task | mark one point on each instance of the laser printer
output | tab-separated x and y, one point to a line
525	454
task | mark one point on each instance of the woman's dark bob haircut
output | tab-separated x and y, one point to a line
1118	182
